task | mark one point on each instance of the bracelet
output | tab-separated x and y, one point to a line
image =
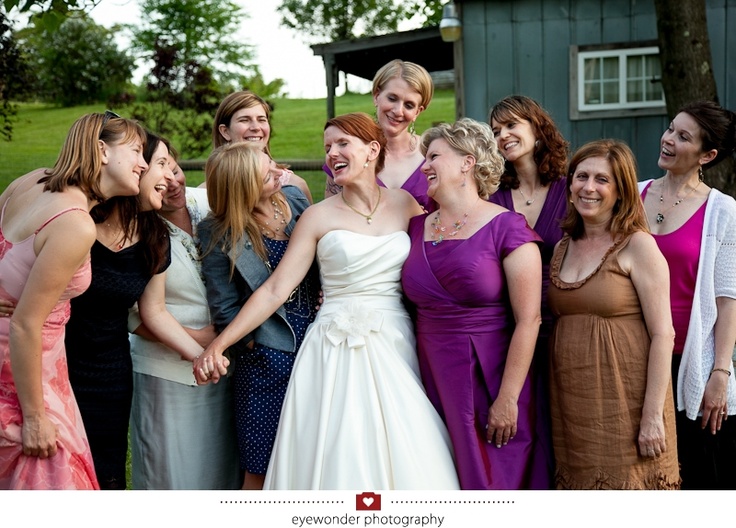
728	372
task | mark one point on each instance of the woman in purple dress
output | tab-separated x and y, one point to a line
533	184
474	273
401	91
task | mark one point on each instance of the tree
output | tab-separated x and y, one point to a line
50	14
202	32
14	76
79	63
687	74
336	20
181	113
427	12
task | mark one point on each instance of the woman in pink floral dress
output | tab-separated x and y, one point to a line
45	236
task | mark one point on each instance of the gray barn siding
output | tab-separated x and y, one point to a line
522	46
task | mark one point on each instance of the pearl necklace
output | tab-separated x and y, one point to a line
368	217
660	214
277	213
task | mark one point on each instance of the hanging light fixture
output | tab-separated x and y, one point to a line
451	29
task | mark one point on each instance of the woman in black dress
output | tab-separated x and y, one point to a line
129	259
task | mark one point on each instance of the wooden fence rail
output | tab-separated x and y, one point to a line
296	165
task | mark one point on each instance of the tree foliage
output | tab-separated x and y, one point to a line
50	14
79	63
202	31
335	20
181	110
428	13
14	76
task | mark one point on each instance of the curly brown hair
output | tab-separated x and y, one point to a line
552	153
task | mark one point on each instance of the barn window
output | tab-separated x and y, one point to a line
613	78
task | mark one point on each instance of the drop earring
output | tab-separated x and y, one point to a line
413	142
701	177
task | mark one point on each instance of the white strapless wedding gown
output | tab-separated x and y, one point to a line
356	416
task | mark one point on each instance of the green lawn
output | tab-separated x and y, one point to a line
297	125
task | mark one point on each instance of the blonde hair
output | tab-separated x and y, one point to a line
414	75
473	138
80	160
231	104
234	180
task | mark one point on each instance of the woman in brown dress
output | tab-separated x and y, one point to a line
613	420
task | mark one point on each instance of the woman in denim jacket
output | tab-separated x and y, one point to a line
243	239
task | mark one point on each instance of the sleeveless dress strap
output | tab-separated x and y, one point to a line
2	213
47	222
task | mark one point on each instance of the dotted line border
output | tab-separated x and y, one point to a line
390	502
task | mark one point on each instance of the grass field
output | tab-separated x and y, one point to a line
297	127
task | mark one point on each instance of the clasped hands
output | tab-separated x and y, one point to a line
210	365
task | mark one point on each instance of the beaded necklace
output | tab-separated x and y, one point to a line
660	214
277	214
438	230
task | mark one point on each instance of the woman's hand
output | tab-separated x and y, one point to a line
39	437
714	404
209	366
651	437
6	308
502	421
320	300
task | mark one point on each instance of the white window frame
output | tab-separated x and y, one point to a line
580	110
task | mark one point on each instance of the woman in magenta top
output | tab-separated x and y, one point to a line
695	228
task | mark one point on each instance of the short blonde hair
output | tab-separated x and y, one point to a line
414	75
473	138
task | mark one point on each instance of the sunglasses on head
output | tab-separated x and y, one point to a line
109	114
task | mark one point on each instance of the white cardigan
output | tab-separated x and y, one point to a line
186	300
716	278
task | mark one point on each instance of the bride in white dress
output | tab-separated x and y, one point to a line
355	416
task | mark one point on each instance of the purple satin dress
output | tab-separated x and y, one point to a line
416	185
464	327
548	228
